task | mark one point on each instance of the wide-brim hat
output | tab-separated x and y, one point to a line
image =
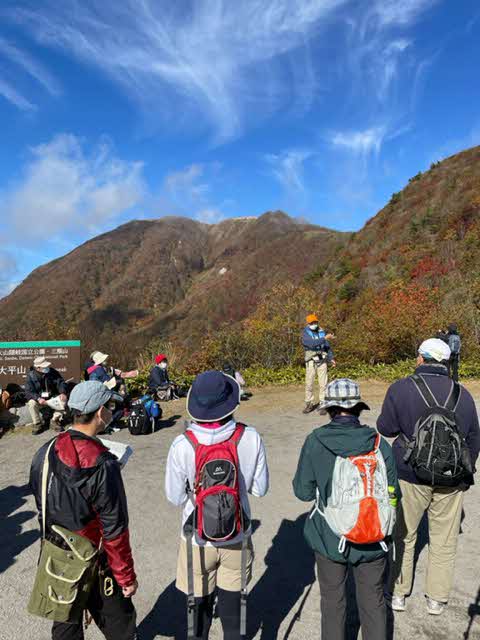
213	396
41	363
343	393
99	357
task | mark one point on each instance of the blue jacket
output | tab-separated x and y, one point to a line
316	341
100	374
403	406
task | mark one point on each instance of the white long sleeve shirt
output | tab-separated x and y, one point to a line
253	472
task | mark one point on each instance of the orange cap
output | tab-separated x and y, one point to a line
312	318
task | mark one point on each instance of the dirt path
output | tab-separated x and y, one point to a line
284	575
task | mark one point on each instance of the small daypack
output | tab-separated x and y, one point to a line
218	515
358	509
438	452
144	416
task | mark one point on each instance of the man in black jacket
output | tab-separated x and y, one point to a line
43	386
402	408
86	495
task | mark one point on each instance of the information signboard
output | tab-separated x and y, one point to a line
16	358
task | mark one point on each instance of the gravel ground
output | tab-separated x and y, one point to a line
284	596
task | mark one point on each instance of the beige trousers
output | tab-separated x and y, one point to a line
213	567
313	371
444	509
36	414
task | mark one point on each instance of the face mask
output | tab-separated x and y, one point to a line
163	365
105	416
46	370
313	327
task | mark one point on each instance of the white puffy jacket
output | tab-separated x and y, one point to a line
253	472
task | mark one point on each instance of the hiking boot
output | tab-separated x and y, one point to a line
396	603
434	607
56	426
37	428
308	408
322	412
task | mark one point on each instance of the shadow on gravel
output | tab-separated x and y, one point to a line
168	422
283	583
12	540
169	614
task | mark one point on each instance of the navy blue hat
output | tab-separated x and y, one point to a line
213	396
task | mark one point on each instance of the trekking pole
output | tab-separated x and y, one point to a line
297	616
473	610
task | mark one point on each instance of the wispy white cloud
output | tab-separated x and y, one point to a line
223	59
189	192
360	142
288	169
30	66
14	97
399	12
64	189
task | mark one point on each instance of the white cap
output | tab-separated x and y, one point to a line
435	349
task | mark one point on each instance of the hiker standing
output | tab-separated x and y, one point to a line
318	355
230	370
433	475
45	386
211	469
455	344
346	458
86	561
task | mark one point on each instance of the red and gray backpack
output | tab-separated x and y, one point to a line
218	515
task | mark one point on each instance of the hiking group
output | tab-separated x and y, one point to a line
368	499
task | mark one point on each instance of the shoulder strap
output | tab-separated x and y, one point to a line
424	390
46	466
238	433
453	397
191	437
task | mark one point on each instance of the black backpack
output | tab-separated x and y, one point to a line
438	452
139	422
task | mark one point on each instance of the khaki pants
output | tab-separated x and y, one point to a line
311	371
213	567
36	414
444	509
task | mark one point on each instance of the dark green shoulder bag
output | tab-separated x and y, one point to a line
66	573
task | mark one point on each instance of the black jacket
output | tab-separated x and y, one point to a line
86	495
158	378
403	406
37	383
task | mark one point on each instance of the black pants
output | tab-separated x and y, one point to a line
114	615
369	576
228	608
453	367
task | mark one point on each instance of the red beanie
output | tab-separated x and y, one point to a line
160	358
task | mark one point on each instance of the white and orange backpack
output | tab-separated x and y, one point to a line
359	510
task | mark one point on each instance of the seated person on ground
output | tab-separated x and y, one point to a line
45	387
230	370
159	384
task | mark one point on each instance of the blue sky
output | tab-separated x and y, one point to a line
112	111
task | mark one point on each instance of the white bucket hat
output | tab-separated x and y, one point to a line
99	357
41	363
